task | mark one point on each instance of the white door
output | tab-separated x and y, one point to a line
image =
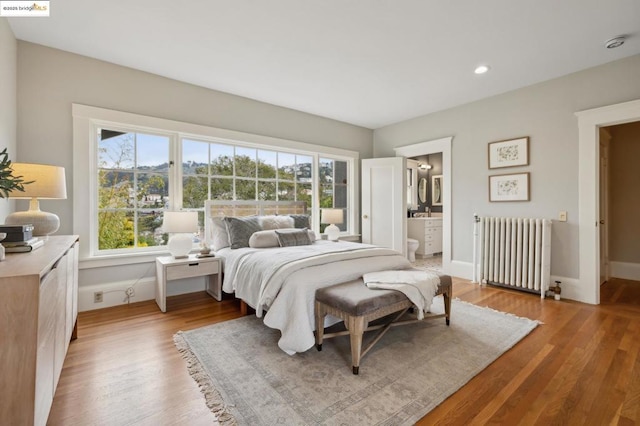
605	139
384	202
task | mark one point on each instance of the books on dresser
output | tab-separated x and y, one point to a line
17	233
23	246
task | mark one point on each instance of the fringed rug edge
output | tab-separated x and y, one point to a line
211	395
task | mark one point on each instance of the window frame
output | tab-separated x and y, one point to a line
86	121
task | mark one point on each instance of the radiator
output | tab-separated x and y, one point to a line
515	253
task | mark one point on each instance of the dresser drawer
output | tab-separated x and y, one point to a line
433	223
192	269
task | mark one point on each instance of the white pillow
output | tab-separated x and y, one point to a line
269	238
219	237
276	222
264	239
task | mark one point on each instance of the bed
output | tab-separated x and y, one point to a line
280	282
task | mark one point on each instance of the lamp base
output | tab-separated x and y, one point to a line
333	232
180	245
44	223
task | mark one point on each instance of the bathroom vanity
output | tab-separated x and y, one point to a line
428	232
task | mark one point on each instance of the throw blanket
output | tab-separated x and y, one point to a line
282	285
418	286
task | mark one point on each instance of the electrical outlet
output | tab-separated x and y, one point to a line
563	216
130	292
97	297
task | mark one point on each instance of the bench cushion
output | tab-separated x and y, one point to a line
356	299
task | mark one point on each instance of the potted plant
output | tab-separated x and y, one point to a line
9	182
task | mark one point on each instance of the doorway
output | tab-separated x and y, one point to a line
443	146
589	123
619	202
424	221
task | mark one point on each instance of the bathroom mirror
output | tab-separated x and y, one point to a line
436	191
422	190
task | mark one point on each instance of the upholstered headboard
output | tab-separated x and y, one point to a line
214	208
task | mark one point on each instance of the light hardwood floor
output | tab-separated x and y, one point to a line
580	367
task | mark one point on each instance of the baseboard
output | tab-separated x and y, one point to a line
570	286
570	289
625	270
114	293
461	269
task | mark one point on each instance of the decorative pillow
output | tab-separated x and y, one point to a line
269	238
240	230
300	220
219	237
264	239
276	222
290	238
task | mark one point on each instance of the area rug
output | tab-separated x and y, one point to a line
248	380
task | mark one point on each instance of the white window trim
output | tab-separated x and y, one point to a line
87	118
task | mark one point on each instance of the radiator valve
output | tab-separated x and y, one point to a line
557	290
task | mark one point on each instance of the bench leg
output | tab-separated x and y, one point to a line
356	330
447	305
320	314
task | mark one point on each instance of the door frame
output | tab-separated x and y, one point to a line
589	123
442	145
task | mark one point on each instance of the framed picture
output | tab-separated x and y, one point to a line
436	190
511	153
514	187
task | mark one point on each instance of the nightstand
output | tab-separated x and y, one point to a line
168	268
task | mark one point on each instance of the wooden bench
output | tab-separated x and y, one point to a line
357	305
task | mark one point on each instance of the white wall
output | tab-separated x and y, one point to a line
545	113
50	80
8	103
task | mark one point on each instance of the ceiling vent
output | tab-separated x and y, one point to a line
614	42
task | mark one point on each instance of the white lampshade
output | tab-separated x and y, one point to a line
182	225
332	217
47	182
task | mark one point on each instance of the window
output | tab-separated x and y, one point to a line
141	166
133	188
334	189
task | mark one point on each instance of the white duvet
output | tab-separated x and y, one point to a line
282	281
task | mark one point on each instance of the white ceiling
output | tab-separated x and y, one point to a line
366	62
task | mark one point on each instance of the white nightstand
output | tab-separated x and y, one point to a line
168	268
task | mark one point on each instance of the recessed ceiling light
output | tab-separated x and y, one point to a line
481	69
614	42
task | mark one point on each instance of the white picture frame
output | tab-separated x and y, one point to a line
509	187
509	153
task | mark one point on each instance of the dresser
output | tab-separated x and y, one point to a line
38	318
428	232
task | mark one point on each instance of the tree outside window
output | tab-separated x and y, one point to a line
133	189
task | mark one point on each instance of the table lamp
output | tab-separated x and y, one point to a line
332	217
48	183
182	225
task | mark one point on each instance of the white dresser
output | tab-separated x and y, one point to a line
428	232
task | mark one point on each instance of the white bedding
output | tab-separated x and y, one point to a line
282	281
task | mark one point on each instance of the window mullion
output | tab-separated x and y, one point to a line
175	172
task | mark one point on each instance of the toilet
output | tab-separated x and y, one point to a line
412	246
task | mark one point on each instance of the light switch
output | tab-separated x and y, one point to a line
563	217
